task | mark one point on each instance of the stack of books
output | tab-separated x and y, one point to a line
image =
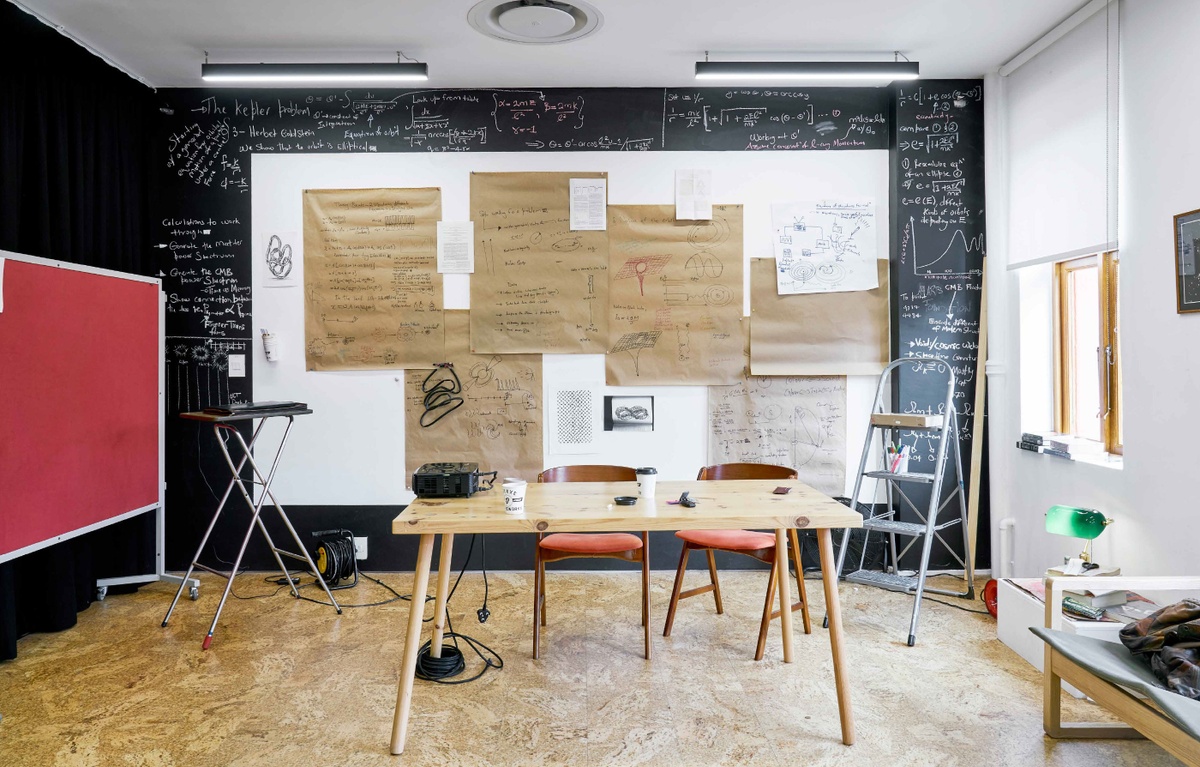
1112	605
1054	444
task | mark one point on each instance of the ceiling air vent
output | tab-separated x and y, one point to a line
535	22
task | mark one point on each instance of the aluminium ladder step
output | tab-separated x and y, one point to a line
901	476
904	528
914	421
889	581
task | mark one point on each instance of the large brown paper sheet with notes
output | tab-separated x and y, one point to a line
372	292
675	296
538	286
816	333
495	421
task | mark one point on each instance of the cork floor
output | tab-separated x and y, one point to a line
288	682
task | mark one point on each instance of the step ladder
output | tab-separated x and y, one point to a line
897	429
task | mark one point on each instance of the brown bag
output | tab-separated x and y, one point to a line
1169	640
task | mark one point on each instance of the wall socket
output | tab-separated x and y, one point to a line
360	547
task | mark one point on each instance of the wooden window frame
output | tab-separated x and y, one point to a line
1106	265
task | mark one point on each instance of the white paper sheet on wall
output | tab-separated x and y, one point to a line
693	195
456	247
826	246
589	204
574	411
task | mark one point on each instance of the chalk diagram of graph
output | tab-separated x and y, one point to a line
197	372
824	247
633	343
641	267
931	255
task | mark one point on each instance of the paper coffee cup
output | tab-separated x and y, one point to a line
514	495
271	346
647	476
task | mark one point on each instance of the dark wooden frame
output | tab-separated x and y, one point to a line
1182	307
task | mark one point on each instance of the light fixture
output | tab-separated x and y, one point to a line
1079	523
314	73
807	70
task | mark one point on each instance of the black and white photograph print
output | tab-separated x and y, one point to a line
628	413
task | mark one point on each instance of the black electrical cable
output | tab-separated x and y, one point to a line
441	395
452	663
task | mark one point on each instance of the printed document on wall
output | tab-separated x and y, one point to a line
456	247
827	246
693	195
589	202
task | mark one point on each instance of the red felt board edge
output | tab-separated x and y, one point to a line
80	360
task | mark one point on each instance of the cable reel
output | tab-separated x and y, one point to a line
335	558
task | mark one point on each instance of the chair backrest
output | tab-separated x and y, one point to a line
588	473
746	471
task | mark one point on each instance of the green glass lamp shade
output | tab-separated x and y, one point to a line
1076	522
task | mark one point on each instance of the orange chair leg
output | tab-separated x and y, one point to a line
539	604
766	616
683	558
646	592
712	574
795	539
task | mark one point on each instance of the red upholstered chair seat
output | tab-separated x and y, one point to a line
594	543
728	540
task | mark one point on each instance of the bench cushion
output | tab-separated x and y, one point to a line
1114	663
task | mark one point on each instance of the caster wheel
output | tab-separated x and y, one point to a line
101	593
194	593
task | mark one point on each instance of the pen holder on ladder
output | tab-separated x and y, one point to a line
897	462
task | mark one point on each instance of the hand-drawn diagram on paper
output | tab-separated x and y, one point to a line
372	292
787	421
824	247
538	286
277	255
675	296
488	410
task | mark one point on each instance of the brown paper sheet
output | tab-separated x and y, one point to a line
498	425
793	421
538	286
675	296
372	292
816	333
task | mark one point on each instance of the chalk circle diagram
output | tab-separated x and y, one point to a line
704	235
641	267
831	273
807	435
279	258
717	295
803	271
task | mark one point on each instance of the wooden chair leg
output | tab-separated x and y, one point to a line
646	591
795	540
674	603
712	574
766	616
539	605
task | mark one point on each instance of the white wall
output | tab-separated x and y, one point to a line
1154	497
351	450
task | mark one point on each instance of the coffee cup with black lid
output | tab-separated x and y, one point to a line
647	476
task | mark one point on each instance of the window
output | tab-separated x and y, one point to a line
1087	351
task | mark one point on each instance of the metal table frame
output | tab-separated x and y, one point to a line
223	422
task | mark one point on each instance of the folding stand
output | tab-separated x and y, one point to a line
220	422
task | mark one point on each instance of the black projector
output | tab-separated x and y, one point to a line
446	480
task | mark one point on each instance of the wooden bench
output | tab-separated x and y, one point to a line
1110	675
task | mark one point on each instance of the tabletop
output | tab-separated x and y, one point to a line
245	415
588	507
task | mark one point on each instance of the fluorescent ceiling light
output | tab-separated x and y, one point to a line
313	73
807	70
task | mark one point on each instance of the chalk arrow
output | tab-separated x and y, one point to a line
949	314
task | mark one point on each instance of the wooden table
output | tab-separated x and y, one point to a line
588	507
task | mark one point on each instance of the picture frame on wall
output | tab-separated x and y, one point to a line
629	413
1187	252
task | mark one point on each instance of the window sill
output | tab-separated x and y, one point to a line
1105	460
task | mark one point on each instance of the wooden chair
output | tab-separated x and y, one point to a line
557	546
761	546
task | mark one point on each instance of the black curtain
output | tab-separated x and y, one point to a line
75	141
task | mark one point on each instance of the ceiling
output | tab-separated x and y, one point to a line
641	42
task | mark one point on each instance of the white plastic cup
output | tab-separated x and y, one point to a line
647	477
514	495
271	346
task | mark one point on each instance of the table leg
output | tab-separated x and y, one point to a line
785	593
412	644
443	593
833	609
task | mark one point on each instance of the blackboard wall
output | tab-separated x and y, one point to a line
203	227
